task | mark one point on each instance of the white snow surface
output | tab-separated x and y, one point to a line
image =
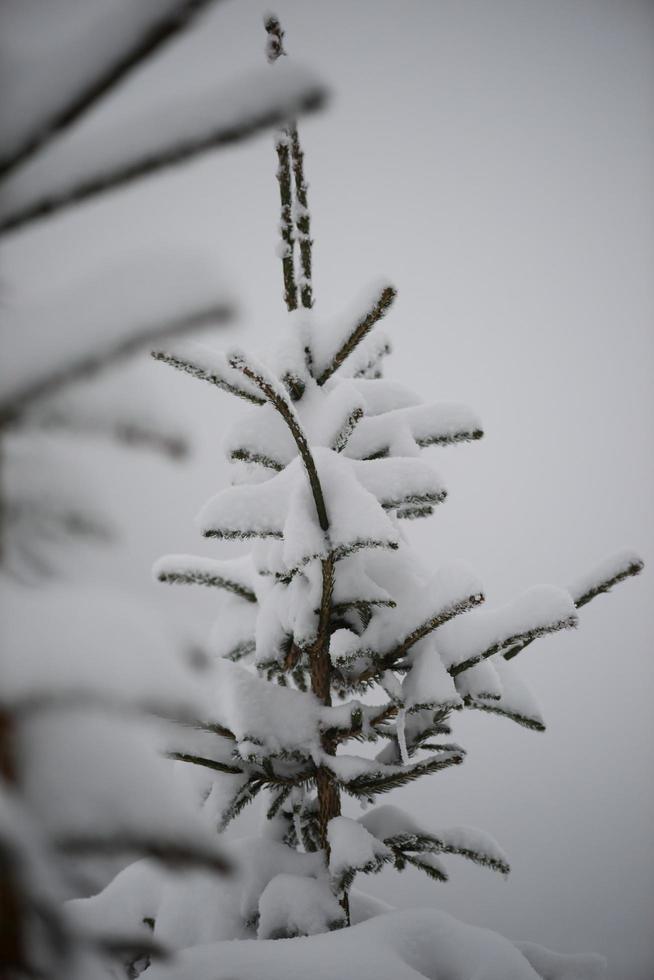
293	905
352	846
428	682
403	431
400	945
515	696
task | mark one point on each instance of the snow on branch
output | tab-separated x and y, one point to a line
604	576
400	482
328	361
94	159
485	632
302	219
234	575
287	244
207	365
97	322
515	700
353	848
295	222
402	833
406	430
111	64
599	580
257	375
392	634
366	779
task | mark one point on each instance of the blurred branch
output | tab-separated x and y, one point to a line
262	114
91	364
144	46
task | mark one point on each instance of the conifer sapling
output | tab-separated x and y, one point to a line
332	603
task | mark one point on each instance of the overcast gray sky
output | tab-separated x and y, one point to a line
495	159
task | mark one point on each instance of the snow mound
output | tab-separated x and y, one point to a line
399	945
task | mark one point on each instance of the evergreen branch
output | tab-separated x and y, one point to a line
237	534
450	439
514	644
207	572
278	802
340	440
421	862
371	368
343	881
414	511
91	364
127	431
197	760
279	402
168	852
493	708
361	329
385	661
245	794
213	375
414	504
290	158
632	565
154	36
302	218
221	134
424	843
282	149
376	782
213	727
274	50
245	456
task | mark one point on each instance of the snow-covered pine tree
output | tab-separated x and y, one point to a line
332	603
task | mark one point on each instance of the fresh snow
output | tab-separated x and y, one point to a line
352	846
541	609
606	573
401	945
291	905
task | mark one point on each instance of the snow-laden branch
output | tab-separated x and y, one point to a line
207	365
329	363
609	572
485	632
100	360
110	66
73	333
273	393
93	159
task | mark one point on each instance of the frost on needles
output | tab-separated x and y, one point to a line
332	631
